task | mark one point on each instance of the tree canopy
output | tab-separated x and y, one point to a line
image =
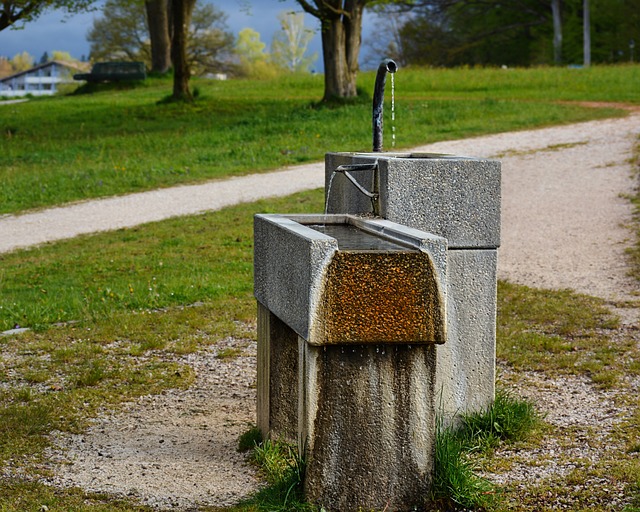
123	33
14	11
517	32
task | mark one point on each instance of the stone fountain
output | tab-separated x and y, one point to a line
377	316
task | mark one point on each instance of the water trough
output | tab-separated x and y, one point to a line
341	279
349	312
376	316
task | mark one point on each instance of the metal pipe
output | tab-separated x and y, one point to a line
386	66
346	169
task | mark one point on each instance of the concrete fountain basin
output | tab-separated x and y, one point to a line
343	279
455	197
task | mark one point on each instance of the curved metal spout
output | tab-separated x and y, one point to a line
386	66
345	169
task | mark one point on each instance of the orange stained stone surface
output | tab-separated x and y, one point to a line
382	297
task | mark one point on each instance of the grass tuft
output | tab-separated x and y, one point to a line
250	439
229	353
508	419
455	482
283	469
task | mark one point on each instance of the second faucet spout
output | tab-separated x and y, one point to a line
386	66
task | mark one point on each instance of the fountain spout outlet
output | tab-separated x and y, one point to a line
386	66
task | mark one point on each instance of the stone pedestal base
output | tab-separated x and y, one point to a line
363	415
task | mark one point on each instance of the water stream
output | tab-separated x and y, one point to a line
393	110
326	202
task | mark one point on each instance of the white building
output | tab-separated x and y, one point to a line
40	80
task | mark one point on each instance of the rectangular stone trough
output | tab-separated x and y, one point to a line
350	310
342	279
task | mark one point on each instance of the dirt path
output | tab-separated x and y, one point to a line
563	224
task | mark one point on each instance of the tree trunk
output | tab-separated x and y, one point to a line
181	17
158	21
341	39
586	28
557	32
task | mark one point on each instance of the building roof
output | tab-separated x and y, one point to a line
76	66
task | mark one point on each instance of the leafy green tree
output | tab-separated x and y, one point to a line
520	32
123	33
255	62
61	55
492	32
210	44
289	45
22	62
615	24
14	11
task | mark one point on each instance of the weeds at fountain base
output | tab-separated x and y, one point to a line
283	469
509	419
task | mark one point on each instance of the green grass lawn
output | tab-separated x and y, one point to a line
114	141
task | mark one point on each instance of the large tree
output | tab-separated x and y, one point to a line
341	25
14	11
124	33
181	11
159	35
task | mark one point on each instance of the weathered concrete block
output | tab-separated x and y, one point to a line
277	379
457	198
368	425
465	370
453	197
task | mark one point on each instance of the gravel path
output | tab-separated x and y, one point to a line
563	226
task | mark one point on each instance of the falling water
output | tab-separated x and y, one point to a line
393	110
326	203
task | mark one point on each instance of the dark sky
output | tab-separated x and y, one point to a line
58	31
